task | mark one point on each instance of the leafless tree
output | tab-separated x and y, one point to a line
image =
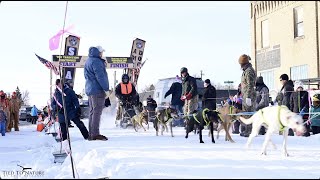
25	97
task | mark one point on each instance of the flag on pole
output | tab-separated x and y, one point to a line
55	40
48	64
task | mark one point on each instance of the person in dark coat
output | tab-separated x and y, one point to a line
73	111
283	98
262	99
54	113
299	103
175	91
151	107
209	96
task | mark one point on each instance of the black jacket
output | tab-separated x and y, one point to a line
176	91
283	97
151	104
294	101
208	99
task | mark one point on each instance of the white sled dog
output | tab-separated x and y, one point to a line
275	118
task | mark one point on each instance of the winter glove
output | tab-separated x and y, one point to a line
188	96
107	94
308	122
248	102
107	102
78	111
183	98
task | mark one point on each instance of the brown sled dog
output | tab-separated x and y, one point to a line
163	118
226	120
138	119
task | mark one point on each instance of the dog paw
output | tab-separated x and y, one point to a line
201	142
285	154
213	142
186	137
263	153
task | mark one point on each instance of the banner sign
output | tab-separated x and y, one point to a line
79	61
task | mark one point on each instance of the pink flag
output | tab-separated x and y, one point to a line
55	40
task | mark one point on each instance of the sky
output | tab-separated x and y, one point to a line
207	36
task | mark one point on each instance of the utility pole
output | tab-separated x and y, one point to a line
201	74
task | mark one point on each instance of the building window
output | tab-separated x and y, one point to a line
268	79
299	72
298	22
265	33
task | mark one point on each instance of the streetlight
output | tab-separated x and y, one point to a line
228	82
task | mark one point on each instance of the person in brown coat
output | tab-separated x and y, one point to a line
5	104
14	111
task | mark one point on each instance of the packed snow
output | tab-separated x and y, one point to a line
138	155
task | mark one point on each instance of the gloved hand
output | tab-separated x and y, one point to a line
248	102
183	98
308	122
107	94
78	111
188	96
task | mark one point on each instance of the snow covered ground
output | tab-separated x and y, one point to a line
128	154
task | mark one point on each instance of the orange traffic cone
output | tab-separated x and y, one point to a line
40	124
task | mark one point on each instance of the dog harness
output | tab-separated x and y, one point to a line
281	125
205	118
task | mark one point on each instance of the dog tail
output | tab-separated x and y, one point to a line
247	121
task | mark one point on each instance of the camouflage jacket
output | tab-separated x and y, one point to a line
15	105
189	85
248	81
5	105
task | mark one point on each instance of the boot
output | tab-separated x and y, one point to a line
243	129
236	126
248	130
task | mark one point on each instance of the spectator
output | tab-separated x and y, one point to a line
299	103
97	90
237	103
14	110
248	81
151	107
73	112
209	96
176	91
262	98
3	119
56	92
315	114
189	92
5	104
283	97
34	114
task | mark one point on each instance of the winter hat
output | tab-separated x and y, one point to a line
316	97
178	79
297	84
284	77
244	59
100	49
57	82
259	80
207	81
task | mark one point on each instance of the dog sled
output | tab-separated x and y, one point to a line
127	111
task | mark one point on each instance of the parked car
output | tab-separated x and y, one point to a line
25	113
